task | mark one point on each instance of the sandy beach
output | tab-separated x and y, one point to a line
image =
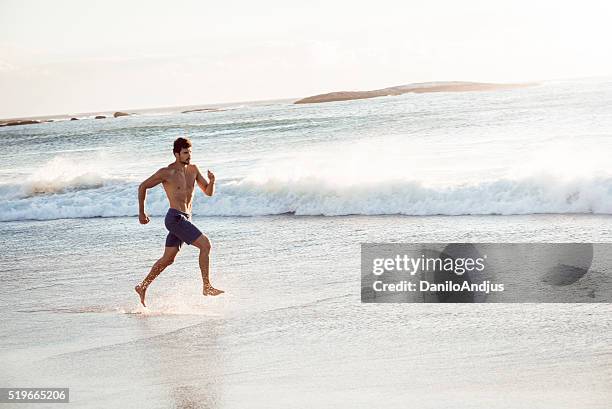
291	324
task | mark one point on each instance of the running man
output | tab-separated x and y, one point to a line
179	180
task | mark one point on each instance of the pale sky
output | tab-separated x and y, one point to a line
67	56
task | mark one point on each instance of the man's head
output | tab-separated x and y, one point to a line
182	150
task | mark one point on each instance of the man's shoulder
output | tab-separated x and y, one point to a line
165	171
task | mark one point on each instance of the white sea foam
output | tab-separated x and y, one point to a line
61	175
316	197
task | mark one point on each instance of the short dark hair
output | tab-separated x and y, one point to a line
181	143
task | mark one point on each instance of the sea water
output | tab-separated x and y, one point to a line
299	187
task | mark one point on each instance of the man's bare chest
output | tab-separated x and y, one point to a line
180	181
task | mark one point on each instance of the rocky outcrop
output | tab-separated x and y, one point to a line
23	122
13	122
451	86
203	110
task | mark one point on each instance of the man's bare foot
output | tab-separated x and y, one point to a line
210	290
141	292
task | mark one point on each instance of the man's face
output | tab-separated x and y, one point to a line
184	156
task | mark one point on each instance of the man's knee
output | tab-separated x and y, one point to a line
169	254
203	243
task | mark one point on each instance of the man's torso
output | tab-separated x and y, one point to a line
179	186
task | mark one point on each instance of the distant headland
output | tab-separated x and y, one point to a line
444	86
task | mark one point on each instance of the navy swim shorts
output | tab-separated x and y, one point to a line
181	229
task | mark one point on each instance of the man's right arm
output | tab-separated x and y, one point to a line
152	181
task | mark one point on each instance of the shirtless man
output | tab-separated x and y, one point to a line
179	180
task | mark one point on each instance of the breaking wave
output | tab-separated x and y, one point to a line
95	196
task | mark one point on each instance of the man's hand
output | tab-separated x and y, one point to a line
211	176
143	218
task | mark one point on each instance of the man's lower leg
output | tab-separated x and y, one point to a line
157	268
205	267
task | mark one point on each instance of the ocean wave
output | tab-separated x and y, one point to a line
59	175
316	197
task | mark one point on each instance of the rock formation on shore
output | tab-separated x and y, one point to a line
203	110
450	86
23	122
13	122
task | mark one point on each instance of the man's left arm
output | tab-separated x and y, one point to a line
207	187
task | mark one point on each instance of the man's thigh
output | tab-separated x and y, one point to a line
173	241
170	252
186	231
